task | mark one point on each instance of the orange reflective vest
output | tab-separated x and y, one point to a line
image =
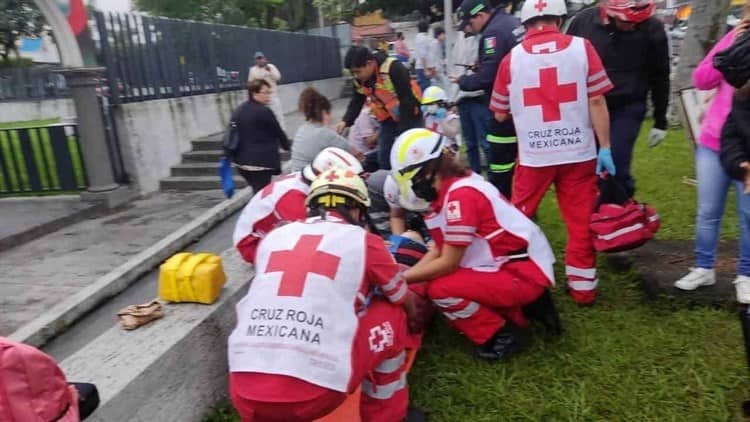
383	98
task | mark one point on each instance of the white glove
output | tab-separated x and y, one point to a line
655	137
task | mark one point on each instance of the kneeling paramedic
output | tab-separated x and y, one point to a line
311	329
491	266
283	200
554	85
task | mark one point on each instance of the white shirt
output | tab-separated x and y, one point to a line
270	75
421	50
465	51
435	56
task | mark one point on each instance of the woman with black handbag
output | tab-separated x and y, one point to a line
254	137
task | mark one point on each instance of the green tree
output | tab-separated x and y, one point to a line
336	10
19	18
255	13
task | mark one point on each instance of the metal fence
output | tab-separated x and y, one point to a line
40	160
150	58
341	31
22	83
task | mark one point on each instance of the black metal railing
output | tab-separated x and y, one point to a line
24	83
40	160
151	58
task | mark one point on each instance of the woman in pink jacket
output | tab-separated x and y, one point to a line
713	181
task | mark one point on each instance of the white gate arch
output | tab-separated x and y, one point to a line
70	53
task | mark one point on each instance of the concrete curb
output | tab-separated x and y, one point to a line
173	369
56	320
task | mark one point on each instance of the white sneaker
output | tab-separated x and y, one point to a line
742	286
698	277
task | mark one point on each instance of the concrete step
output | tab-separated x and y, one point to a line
190	183
213	156
202	157
207	144
197	169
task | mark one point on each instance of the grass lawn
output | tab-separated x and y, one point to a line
625	359
29	123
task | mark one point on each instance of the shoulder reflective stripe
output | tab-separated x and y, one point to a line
385	391
500	106
589	273
583	286
502	168
386	66
396	297
494	234
458	238
461	229
603	84
394	282
501	139
595	77
447	302
500	97
392	365
467	312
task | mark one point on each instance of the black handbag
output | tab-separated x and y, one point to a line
231	139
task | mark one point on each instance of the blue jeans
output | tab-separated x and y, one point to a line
625	125
422	80
474	116
713	186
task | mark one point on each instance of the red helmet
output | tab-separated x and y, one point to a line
635	11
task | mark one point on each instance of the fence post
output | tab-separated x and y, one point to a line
96	157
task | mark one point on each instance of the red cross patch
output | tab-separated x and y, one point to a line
453	211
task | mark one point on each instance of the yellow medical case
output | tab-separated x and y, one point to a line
187	277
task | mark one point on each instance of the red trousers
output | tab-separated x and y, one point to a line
576	189
379	363
477	303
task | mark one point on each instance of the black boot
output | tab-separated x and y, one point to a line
415	415
506	342
543	310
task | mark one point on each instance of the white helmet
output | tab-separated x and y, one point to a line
329	158
433	94
535	8
407	200
412	150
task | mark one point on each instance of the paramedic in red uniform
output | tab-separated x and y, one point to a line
283	200
492	265
311	328
554	84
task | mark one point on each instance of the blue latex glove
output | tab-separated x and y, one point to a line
605	162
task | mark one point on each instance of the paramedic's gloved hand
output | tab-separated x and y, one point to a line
605	162
655	137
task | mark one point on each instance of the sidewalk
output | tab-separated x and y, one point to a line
38	275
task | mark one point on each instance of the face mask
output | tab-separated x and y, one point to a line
434	110
424	190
